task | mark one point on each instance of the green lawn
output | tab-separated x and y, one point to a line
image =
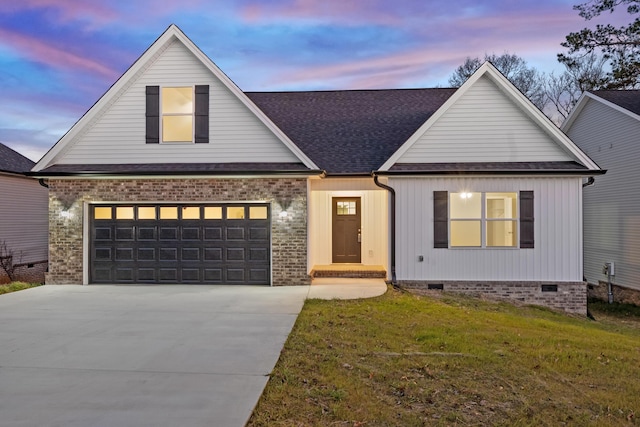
407	360
16	286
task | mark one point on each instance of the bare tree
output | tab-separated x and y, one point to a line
563	90
527	79
8	263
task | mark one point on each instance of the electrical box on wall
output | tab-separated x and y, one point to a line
609	268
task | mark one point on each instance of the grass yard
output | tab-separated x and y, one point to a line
16	286
408	360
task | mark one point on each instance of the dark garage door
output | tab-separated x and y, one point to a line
180	243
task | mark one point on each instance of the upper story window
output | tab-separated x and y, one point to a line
177	114
483	219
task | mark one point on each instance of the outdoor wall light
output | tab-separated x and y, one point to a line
66	214
283	214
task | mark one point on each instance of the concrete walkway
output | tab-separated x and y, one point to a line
145	355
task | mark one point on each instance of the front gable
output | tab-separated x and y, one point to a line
115	130
487	121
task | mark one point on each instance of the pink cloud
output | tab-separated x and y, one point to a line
345	12
39	51
68	10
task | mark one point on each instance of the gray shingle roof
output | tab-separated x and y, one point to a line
350	131
627	99
14	162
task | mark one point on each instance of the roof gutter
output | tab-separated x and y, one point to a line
497	172
392	194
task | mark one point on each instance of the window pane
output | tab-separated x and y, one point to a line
102	212
502	233
177	129
235	212
213	212
466	233
191	212
169	212
258	212
502	205
177	100
465	205
346	208
147	212
124	212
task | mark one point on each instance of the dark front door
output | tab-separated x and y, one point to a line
346	229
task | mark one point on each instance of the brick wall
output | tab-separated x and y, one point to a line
570	297
288	234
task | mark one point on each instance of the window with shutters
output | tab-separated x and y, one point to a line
177	114
483	219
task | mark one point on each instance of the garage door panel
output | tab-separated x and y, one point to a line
102	233
124	233
235	233
213	233
124	254
213	254
169	233
147	233
180	244
258	234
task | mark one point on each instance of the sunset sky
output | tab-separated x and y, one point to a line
57	57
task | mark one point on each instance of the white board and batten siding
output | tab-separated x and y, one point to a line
556	257
117	134
374	219
24	218
612	205
484	125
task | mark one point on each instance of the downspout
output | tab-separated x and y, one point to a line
589	182
392	194
44	184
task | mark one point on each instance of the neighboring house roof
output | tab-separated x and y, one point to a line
350	131
13	162
627	99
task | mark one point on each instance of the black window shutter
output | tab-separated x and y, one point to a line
440	219
526	219
153	115
202	114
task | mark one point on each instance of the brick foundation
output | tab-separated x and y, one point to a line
288	234
620	294
570	297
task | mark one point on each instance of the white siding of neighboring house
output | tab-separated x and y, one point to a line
24	208
117	135
374	219
612	204
484	125
557	255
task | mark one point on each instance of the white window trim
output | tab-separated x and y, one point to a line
483	221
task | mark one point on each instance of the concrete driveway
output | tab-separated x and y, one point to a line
140	356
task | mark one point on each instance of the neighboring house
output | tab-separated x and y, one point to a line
606	125
177	176
23	219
